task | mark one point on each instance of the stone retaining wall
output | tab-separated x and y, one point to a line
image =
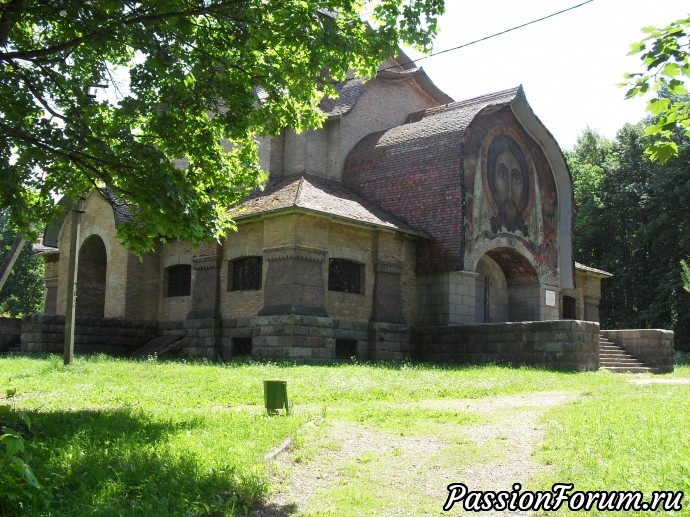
46	333
306	338
10	332
652	347
562	344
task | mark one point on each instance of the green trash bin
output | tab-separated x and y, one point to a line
275	397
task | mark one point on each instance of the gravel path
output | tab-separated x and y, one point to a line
415	468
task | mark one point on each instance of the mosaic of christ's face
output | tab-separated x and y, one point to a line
508	180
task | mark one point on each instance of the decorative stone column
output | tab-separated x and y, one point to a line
388	302
294	281
203	324
205	289
50	303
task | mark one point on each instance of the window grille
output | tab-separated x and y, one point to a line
245	274
344	276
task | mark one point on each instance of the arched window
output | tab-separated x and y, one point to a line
244	274
179	280
344	276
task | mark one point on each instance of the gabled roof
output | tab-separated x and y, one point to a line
350	90
592	271
314	194
122	213
452	118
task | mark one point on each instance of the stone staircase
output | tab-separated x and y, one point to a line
11	349
614	359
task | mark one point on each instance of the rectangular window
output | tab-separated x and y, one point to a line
344	276
179	280
245	274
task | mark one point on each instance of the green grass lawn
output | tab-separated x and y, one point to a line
120	437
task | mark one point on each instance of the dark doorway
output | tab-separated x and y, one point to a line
93	262
569	312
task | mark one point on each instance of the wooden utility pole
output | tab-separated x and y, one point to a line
70	312
10	259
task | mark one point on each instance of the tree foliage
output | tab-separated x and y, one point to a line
665	55
633	219
23	292
203	79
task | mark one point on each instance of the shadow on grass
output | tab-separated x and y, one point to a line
385	365
274	510
120	462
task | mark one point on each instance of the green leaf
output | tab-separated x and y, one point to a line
14	443
27	472
24	418
671	70
10	392
658	106
5	409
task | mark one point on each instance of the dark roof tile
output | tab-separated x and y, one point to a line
317	194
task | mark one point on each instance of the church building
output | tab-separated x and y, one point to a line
408	226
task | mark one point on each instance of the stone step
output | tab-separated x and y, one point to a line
611	357
631	364
627	369
614	359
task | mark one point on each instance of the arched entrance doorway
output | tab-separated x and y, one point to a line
93	262
507	288
492	292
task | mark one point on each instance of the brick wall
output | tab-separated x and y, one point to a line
570	345
426	195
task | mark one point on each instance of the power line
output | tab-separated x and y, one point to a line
433	54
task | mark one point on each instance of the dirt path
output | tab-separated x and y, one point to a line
349	467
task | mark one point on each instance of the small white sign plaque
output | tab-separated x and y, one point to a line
550	298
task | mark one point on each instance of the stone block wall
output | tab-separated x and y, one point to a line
565	344
389	342
202	337
652	347
316	339
231	329
447	298
46	333
10	332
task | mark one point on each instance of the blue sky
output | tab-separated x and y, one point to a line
569	65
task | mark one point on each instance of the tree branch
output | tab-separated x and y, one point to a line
38	55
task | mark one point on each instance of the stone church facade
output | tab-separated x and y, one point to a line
408	226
